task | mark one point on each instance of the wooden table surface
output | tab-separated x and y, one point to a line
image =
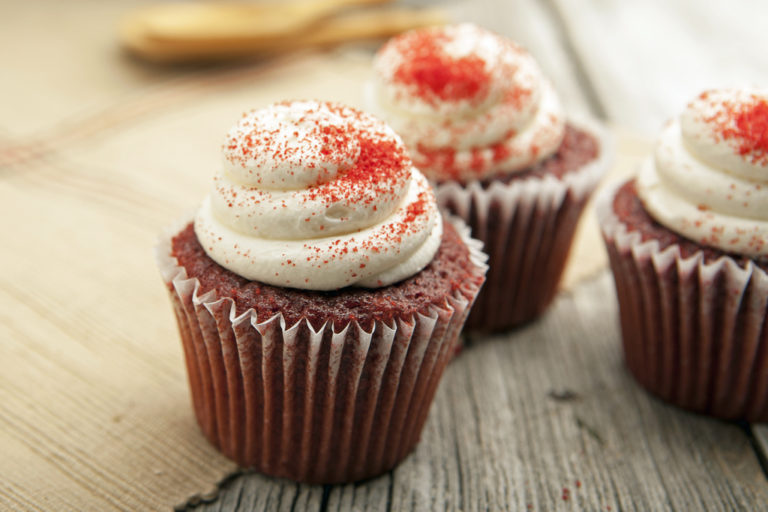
546	417
542	418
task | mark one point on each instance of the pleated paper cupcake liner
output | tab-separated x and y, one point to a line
694	333
315	406
527	228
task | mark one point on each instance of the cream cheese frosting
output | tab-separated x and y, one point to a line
708	177
468	103
318	196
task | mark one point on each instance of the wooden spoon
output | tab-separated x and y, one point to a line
181	21
197	42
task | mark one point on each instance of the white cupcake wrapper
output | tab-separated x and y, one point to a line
694	333
527	227
312	405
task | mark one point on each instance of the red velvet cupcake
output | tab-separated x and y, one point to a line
486	127
319	295
688	245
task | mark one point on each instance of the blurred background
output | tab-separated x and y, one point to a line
632	62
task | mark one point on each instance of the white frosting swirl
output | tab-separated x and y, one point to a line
318	196
468	103
708	177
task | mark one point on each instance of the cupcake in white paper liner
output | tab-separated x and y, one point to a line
527	227
312	405
486	127
691	277
319	295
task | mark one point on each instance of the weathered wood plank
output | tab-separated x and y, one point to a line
760	433
547	418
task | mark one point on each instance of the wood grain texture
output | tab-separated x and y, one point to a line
760	436
92	385
546	418
86	391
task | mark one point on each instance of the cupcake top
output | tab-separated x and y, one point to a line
469	104
708	177
318	196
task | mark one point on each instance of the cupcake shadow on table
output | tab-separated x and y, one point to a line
483	124
688	246
319	295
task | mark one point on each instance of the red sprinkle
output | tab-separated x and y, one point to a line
381	162
381	171
445	158
435	75
747	125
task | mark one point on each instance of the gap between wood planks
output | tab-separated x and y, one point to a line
758	438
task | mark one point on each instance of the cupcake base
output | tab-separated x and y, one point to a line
316	405
693	323
527	225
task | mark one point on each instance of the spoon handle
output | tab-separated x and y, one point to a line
356	25
182	21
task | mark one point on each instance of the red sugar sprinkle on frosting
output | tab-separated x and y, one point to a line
381	164
240	148
746	124
374	173
462	98
381	167
435	75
